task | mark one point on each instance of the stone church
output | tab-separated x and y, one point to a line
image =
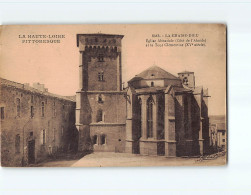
157	114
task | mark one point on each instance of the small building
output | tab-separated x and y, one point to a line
218	133
221	131
35	124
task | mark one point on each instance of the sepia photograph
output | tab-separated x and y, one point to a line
113	95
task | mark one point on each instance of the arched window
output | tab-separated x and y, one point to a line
185	81
32	111
99	115
139	115
100	99
150	117
152	84
18	107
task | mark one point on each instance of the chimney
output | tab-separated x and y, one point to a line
40	87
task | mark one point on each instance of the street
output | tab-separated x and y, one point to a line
110	159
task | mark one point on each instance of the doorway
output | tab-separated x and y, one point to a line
31	152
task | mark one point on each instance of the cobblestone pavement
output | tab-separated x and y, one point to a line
109	159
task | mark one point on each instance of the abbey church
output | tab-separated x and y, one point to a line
157	114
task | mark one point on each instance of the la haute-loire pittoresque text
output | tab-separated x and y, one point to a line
41	38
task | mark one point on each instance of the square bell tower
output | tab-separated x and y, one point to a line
187	78
100	62
100	100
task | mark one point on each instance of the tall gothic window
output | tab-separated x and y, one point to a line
2	112
32	111
44	138
99	115
18	107
139	117
186	121
149	117
17	143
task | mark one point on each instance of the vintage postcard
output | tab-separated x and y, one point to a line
113	95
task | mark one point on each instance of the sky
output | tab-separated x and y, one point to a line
56	64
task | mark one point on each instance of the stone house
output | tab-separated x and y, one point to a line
34	123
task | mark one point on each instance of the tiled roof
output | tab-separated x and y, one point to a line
154	72
181	89
5	82
185	72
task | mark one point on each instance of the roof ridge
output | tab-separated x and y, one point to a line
158	68
22	86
